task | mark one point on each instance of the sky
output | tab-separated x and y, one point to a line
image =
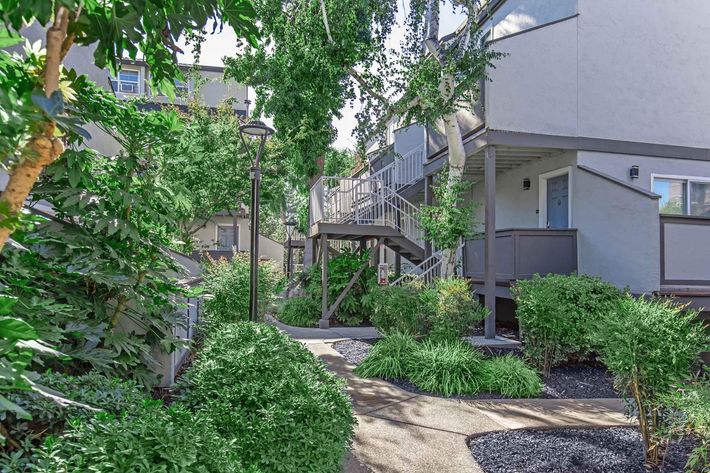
224	44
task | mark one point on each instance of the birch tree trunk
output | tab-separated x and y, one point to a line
44	147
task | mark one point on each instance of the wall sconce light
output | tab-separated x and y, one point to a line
634	172
526	184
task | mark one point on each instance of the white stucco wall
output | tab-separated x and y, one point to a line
534	88
632	70
618	235
618	165
643	70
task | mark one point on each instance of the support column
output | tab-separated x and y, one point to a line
428	200
490	243
324	322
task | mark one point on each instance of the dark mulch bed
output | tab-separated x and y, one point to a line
579	381
614	450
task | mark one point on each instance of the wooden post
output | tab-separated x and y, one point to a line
490	243
324	321
428	200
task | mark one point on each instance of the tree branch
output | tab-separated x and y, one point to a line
325	21
370	91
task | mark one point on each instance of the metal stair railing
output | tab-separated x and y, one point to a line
365	201
404	171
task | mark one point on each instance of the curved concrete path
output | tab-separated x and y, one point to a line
402	432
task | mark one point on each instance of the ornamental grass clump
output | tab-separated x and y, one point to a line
510	376
688	409
650	346
558	313
389	358
446	367
269	396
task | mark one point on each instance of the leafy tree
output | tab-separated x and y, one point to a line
36	102
320	56
209	169
449	219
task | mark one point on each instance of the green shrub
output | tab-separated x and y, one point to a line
388	358
397	309
446	367
557	313
356	306
649	345
510	376
268	395
454	311
226	284
156	439
689	407
300	311
445	309
90	392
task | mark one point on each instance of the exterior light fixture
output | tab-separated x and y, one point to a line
290	226
634	172
254	130
526	184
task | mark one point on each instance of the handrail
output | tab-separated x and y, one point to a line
364	201
404	171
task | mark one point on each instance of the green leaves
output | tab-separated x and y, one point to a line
450	219
15	329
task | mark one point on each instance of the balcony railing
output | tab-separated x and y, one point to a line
521	253
348	200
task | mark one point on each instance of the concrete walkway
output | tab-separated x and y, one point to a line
402	432
318	335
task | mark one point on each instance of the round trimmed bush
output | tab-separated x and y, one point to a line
445	367
388	358
300	311
510	376
272	398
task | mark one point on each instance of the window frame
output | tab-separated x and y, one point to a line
217	246
680	177
117	80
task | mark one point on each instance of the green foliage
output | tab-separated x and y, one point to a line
510	376
446	367
276	403
444	309
389	358
688	409
300	311
149	27
154	439
208	168
355	307
650	346
449	219
81	397
557	315
453	311
398	309
226	284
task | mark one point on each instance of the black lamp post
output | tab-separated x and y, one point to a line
254	129
290	225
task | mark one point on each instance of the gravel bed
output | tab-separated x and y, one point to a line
579	381
353	350
614	450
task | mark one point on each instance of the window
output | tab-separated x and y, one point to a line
127	82
182	89
683	195
515	16
225	237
